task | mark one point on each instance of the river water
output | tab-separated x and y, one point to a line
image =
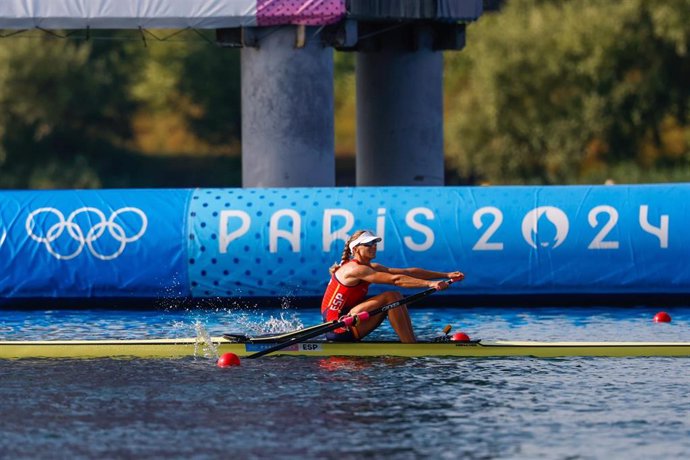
287	407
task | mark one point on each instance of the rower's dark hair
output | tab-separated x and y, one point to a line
347	254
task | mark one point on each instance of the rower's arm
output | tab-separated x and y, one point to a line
376	276
417	272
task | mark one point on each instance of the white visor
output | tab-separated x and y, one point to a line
365	237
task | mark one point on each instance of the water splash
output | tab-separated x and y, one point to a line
285	322
252	319
203	345
171	294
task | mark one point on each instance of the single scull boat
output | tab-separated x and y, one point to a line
177	348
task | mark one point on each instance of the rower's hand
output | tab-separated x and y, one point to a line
439	285
456	276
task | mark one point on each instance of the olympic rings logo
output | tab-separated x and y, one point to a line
74	230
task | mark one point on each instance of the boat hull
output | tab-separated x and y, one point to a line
178	348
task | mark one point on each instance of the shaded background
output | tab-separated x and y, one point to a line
546	92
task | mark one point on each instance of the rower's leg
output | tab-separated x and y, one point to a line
399	317
400	320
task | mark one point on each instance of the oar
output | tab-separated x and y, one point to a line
276	337
346	321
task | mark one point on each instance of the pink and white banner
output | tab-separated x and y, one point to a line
307	12
165	14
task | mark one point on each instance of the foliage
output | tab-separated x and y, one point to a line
61	102
564	91
344	104
75	113
191	87
546	92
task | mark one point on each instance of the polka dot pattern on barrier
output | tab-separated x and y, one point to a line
235	251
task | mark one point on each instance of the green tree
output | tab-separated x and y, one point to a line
572	91
211	78
344	104
115	112
197	81
62	104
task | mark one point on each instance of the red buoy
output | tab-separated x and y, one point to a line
460	337
662	317
228	359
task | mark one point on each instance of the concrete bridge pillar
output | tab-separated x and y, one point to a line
400	109
287	108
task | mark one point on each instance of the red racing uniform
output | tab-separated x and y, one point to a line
339	299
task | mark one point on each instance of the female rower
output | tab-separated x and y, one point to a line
350	282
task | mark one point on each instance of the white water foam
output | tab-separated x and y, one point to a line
204	345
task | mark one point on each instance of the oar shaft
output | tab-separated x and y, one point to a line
289	335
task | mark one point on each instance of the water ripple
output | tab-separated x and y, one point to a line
399	408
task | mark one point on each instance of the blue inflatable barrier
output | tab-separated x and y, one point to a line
211	243
90	244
